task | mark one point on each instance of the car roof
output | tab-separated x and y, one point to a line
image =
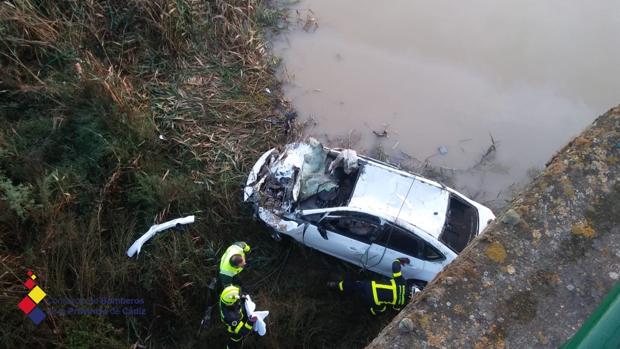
403	198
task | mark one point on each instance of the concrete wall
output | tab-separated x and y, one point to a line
536	273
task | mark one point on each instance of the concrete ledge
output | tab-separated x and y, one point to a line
540	269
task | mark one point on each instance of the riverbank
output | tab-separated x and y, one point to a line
116	115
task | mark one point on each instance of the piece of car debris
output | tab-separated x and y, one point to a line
311	23
154	229
250	308
380	134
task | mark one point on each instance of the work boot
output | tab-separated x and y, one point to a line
332	285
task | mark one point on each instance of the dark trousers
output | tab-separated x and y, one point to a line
234	342
362	289
235	339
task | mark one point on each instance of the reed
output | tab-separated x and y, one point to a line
119	114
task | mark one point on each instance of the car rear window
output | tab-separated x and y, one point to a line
461	224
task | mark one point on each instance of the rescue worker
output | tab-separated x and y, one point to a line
380	294
232	263
234	316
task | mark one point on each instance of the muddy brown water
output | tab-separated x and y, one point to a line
449	74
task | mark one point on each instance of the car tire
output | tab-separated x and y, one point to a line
418	283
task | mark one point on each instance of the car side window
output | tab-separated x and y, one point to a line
431	253
356	226
406	242
400	240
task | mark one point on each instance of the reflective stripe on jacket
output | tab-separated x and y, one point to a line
393	293
385	297
235	318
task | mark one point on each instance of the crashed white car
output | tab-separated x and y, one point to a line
361	210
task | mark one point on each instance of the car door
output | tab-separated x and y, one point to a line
396	242
348	234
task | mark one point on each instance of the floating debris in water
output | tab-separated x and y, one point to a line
380	134
310	24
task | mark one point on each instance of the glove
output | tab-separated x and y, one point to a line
403	260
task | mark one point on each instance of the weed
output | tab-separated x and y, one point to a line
18	197
118	114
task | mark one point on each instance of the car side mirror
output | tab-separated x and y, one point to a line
323	231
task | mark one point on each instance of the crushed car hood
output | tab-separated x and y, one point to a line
277	180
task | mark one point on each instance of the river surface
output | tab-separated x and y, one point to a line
442	77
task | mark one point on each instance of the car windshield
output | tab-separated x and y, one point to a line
337	195
304	176
461	224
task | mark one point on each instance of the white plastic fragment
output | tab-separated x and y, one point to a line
250	308
134	249
260	326
347	159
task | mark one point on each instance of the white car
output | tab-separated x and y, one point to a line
361	210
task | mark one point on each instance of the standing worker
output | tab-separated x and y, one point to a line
232	263
234	316
378	294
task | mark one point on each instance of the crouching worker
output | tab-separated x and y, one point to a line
232	263
378	295
234	316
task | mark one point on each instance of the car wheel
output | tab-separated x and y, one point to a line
418	283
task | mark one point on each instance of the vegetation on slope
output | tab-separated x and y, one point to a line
119	114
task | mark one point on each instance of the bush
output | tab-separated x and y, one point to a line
18	197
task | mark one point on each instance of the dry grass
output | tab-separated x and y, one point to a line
116	114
